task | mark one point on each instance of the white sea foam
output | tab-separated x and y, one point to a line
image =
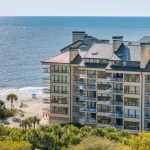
23	93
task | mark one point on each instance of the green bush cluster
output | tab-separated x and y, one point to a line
69	137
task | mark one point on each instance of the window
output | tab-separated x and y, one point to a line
118	63
59	110
131	101
103	86
103	97
130	113
131	89
132	78
131	125
60	89
102	74
103	119
103	108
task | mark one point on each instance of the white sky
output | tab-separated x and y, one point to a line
74	7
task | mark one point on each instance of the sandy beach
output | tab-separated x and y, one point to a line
33	107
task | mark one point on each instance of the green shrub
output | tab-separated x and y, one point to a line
111	129
112	136
99	132
95	143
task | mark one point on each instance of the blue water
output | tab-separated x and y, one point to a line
26	41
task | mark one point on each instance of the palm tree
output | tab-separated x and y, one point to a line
12	97
26	123
34	120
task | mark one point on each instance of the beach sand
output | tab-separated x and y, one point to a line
34	106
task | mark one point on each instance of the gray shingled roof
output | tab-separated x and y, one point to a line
87	42
145	39
100	51
128	53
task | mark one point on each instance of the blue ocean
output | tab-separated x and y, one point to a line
26	41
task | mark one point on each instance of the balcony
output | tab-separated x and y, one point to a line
46	80
131	116
132	92
113	79
77	113
147	104
120	127
91	76
103	98
147	93
147	81
77	93
60	101
60	92
115	114
60	71
77	82
46	91
46	70
115	103
59	81
77	103
88	87
88	120
114	91
86	98
147	116
83	109
131	127
147	129
103	110
79	72
92	109
88	109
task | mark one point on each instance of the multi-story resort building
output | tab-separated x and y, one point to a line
101	83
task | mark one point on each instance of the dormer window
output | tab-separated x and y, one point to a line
120	55
94	53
